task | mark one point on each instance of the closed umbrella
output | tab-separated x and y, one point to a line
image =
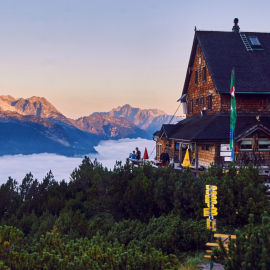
145	156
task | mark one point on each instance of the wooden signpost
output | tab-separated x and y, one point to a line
211	211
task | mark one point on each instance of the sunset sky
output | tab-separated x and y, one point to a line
94	55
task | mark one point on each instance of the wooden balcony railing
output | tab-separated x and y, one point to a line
257	159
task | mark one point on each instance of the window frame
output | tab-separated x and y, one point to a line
202	101
204	74
210	102
159	149
191	106
196	76
197	102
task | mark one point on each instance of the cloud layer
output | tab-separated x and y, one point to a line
39	164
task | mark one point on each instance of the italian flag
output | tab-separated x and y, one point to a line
232	118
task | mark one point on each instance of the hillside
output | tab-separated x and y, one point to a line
28	134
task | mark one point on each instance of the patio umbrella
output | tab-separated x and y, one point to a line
186	162
145	156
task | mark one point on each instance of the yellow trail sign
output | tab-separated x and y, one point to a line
211	224
206	212
213	201
211	187
212	197
208	192
212	205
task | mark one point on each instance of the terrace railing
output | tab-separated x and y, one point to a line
257	159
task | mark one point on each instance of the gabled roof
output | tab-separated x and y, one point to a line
224	50
156	134
216	127
166	129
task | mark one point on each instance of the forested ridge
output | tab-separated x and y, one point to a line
128	218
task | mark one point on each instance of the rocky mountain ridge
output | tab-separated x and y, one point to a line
149	120
34	125
28	134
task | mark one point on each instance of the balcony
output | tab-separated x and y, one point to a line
256	158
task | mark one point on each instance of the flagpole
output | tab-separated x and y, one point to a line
233	116
235	123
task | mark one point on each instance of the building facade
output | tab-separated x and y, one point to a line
206	101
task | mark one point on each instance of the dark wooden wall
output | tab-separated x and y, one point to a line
221	103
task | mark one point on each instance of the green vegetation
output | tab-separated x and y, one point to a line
250	249
128	218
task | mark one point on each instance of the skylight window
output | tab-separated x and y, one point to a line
255	41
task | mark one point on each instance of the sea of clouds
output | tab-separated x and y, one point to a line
40	164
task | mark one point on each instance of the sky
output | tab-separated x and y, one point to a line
94	55
39	165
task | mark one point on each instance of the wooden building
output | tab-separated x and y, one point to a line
206	101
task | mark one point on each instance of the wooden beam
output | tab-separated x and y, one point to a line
224	235
215	245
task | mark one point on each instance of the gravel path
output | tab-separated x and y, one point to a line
206	266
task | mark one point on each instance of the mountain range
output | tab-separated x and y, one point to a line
34	125
149	120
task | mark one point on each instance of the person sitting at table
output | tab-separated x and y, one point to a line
133	156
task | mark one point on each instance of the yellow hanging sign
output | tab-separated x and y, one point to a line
186	162
206	212
208	192
211	187
210	197
212	204
213	201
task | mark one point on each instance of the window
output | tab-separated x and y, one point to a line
254	41
264	145
202	101
159	149
199	51
205	147
209	102
204	74
191	106
196	76
197	102
177	146
246	145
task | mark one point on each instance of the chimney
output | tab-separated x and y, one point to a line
236	28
